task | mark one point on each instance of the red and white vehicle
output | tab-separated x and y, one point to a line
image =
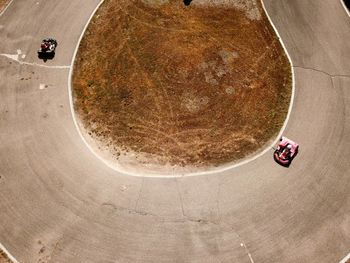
286	151
47	49
48	45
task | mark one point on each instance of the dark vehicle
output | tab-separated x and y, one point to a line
47	48
285	152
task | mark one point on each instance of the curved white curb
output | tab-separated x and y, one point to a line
8	254
344	6
7	6
172	175
344	260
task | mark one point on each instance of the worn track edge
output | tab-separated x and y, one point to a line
8	254
347	257
6	7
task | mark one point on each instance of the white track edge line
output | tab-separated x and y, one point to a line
346	9
347	256
210	171
7	6
8	254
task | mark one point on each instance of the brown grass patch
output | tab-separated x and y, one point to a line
204	84
4	258
3	4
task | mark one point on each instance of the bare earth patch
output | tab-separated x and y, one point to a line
165	83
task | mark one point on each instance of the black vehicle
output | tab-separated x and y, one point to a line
47	48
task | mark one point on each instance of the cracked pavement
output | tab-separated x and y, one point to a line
53	190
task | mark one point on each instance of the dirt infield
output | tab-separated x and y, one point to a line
203	84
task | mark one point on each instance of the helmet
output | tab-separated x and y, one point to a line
289	147
45	45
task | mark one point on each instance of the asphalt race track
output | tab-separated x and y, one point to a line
59	203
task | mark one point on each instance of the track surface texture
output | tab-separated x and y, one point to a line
59	203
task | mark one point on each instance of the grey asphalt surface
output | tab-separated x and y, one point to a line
59	203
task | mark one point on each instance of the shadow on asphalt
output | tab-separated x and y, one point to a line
46	56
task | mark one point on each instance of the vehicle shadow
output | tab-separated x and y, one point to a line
285	165
281	163
46	56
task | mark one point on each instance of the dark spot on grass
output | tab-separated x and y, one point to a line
187	2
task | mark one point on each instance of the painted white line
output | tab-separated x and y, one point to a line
8	254
250	257
344	260
15	58
248	253
173	175
346	9
4	10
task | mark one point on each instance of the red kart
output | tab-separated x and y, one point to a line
286	151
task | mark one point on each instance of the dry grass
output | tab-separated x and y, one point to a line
194	85
4	258
3	4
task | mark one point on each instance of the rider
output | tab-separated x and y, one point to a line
287	150
45	46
